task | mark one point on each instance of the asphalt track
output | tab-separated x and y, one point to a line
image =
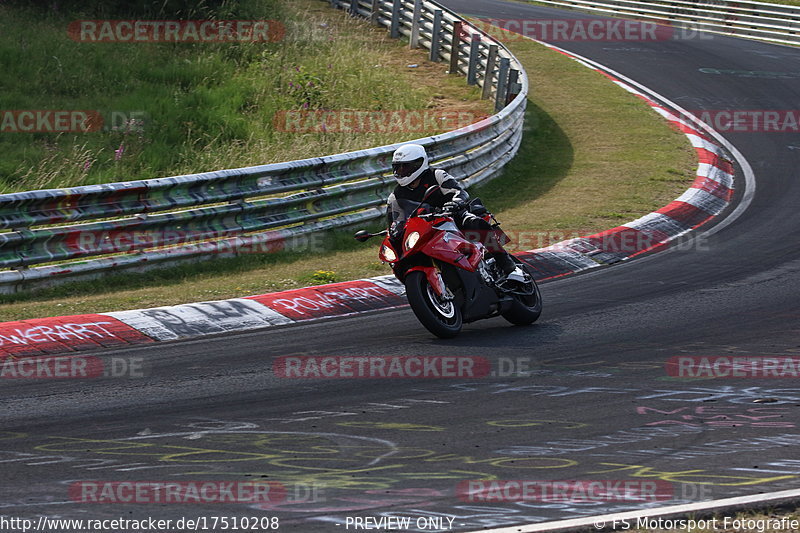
213	410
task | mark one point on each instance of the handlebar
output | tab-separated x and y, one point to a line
435	214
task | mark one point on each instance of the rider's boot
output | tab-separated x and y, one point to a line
509	268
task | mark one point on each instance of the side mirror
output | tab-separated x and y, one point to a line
432	189
362	235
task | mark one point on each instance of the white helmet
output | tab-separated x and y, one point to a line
408	162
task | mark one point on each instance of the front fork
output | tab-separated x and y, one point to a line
435	280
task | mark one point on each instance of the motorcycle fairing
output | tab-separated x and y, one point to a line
446	225
433	276
444	241
475	299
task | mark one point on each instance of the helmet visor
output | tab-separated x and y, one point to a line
403	169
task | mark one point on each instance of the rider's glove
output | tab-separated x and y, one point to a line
452	206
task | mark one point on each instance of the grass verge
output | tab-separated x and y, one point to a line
593	156
178	108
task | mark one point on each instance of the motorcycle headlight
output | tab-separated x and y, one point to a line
411	240
388	254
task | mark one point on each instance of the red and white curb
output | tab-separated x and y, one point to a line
253	312
45	336
59	335
708	196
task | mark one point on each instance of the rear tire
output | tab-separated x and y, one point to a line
526	308
440	317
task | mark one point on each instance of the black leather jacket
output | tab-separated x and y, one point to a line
405	199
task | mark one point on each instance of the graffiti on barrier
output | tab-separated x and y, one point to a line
189	320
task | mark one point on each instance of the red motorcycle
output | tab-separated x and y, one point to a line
449	279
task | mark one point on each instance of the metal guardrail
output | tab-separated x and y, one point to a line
59	234
775	23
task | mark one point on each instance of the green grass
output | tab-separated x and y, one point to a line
593	156
338	258
198	107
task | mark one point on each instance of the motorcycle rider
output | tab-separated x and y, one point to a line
414	176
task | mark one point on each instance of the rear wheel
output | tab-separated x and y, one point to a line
440	316
527	305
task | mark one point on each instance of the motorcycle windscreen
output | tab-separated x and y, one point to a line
402	209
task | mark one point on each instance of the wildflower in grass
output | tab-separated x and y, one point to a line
323	276
134	126
118	152
87	165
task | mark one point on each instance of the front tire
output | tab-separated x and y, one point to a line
526	308
440	317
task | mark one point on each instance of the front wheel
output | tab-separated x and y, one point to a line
439	316
527	304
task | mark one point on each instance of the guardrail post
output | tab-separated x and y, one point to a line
513	85
414	41
488	75
394	31
375	11
474	49
436	36
502	83
455	46
353	8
